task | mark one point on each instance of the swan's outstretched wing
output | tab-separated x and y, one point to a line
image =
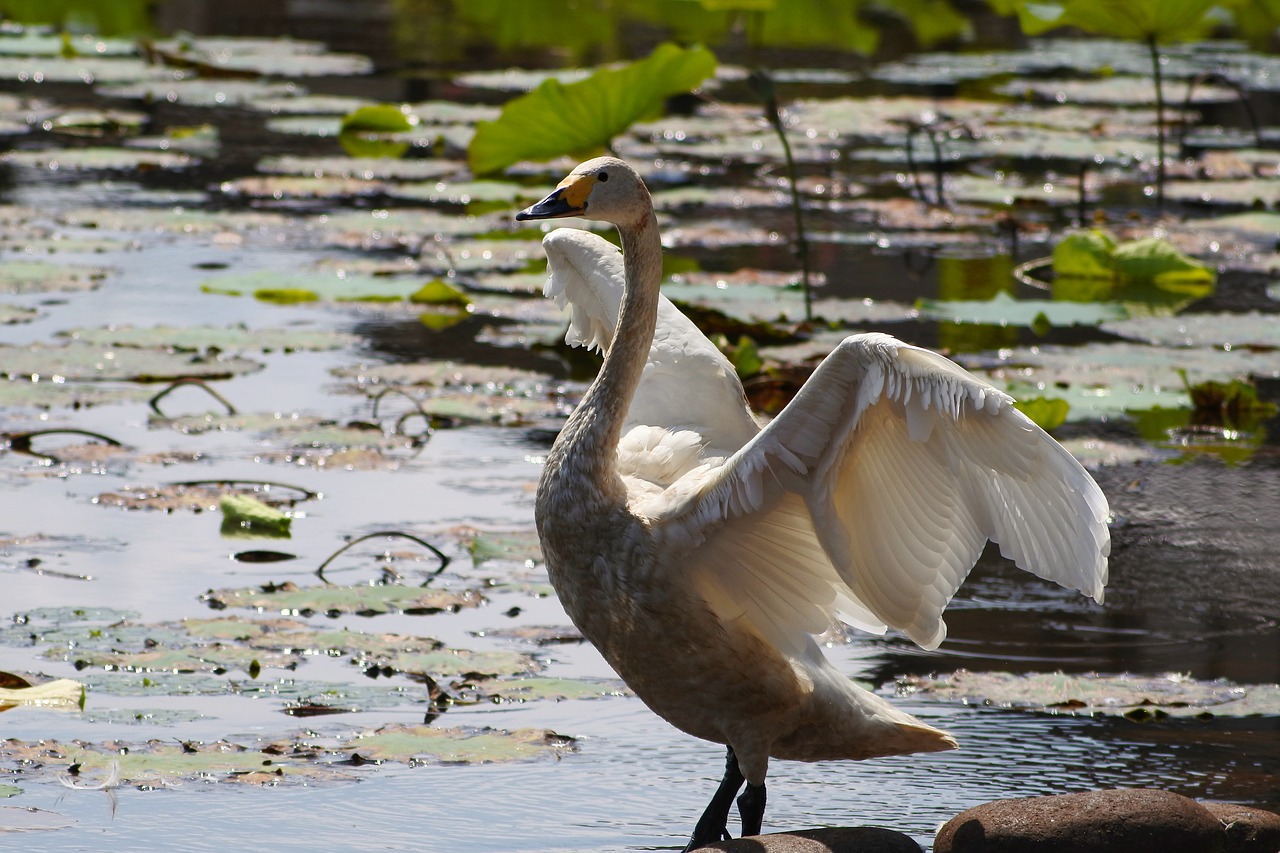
907	465
688	384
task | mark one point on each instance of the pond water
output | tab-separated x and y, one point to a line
112	579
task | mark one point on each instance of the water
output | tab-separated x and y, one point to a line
1193	585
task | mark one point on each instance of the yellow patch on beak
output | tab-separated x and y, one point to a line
575	189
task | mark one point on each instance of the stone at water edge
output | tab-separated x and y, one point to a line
1248	830
1127	820
840	839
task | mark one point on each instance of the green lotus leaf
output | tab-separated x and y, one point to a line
1085	254
581	118
1140	20
366	599
457	746
1156	260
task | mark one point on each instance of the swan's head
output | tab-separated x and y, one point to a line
605	188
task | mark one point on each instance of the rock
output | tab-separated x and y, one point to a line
1130	820
1248	830
841	839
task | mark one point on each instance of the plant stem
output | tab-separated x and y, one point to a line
1155	68
764	87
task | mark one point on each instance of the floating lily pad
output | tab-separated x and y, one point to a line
466	192
1134	696
363	599
287	288
1004	310
286	187
198	92
171	220
458	746
1212	330
19	393
106	159
554	689
1117	89
28	819
213	338
141	716
86	70
44	277
454	662
196	497
86	362
363	168
441	374
10	314
212	657
1246	193
268	57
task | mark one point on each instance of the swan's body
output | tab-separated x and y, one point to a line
701	553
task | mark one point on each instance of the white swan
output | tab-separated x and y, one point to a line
701	553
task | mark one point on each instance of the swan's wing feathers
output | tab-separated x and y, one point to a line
908	465
687	383
585	274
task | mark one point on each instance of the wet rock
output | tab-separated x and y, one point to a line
1248	830
1131	820
841	839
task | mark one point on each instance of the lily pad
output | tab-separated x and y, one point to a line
363	168
213	338
459	746
196	497
366	599
1004	310
198	92
10	314
289	288
44	276
1261	331
106	159
86	362
1134	696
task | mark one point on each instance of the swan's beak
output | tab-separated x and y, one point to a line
568	199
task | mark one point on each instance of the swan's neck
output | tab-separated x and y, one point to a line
589	440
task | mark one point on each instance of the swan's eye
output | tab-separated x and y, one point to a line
602	177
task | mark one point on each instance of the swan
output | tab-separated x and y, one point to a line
701	553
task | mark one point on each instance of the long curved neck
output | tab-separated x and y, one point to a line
595	427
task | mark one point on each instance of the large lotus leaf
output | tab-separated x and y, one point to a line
1085	254
217	338
214	657
444	663
1135	696
1156	260
85	362
581	118
20	393
1163	20
555	689
290	599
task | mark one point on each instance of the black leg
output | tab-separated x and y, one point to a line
751	807
713	826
